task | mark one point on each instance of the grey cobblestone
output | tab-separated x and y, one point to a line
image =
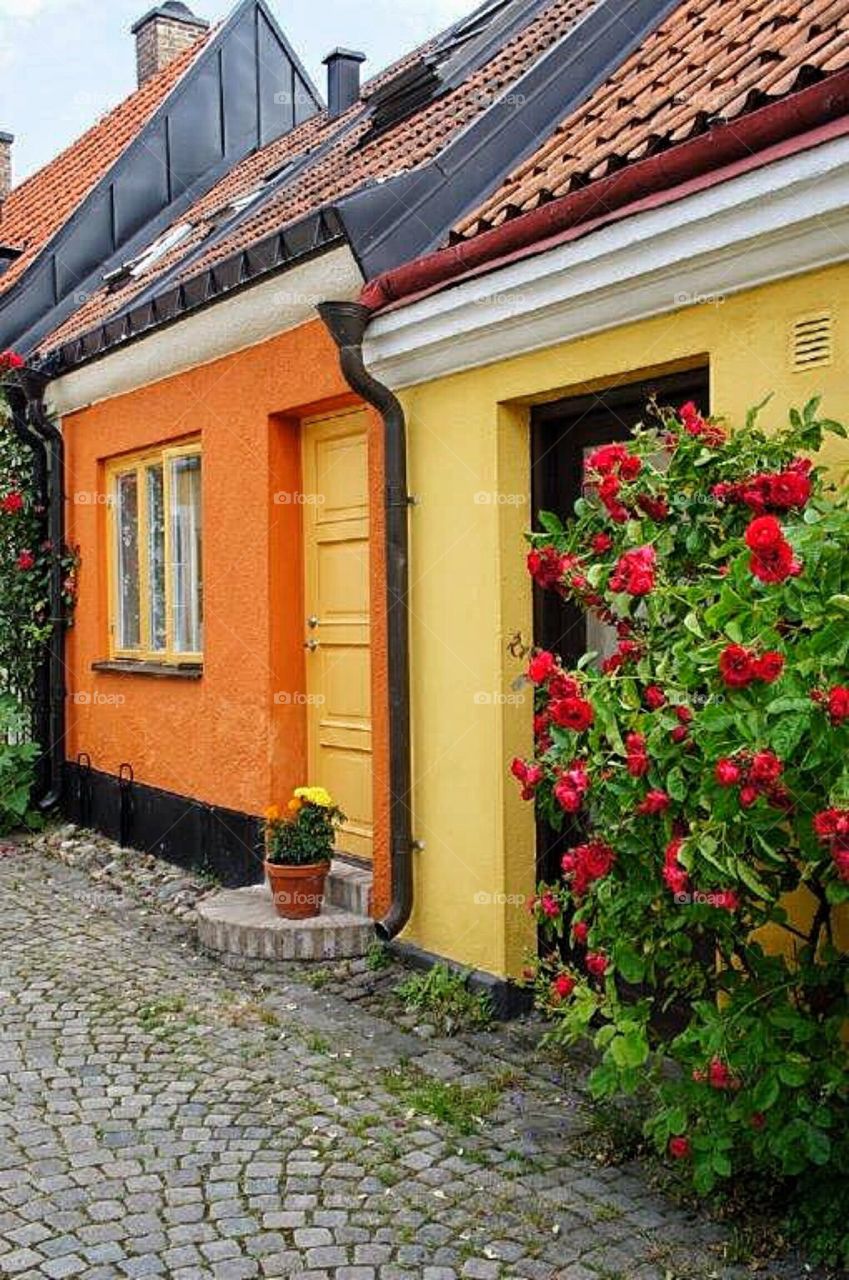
164	1116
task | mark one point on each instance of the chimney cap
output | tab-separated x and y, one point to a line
174	11
6	137
352	55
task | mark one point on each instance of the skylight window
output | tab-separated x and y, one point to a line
159	248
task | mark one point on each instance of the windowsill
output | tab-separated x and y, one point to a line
160	670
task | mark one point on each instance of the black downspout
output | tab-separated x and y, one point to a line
347	322
35	428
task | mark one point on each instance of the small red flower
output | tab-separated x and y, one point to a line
635	572
679	1148
765	769
764	533
655	802
720	1077
549	906
563	986
655	697
572	713
769	667
541	666
748	796
838	703
637	757
25	561
728	772
12	503
10	360
596	963
679	734
580	932
775	564
737	666
601	543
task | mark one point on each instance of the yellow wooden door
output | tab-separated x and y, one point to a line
336	627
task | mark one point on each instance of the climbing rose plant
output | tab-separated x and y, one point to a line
26	556
700	775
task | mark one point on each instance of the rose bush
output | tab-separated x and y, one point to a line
26	560
26	556
701	776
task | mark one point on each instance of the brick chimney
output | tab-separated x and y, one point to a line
162	34
6	140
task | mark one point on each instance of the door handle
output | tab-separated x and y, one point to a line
312	645
313	622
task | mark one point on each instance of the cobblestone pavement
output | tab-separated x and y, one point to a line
163	1116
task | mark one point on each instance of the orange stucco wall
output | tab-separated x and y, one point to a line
232	738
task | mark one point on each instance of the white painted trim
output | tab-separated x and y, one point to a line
783	219
232	324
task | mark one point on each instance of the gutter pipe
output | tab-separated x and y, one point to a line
346	322
614	196
34	428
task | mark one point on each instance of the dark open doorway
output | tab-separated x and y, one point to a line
561	435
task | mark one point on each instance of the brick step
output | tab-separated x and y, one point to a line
242	924
349	887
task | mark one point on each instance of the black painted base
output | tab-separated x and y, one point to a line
186	832
508	1000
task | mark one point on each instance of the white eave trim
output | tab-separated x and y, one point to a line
228	325
786	218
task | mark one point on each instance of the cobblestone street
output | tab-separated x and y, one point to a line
162	1115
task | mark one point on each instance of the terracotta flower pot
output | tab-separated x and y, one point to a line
298	892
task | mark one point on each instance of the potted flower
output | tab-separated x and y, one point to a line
298	850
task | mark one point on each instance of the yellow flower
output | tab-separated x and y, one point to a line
272	813
315	795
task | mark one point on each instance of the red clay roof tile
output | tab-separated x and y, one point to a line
37	208
709	62
351	162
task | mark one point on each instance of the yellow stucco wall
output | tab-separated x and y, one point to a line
470	470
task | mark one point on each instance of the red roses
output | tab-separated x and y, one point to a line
547	566
10	360
635	572
674	875
571	787
529	775
563	986
542	667
12	503
837	702
776	490
756	774
655	802
587	863
25	561
831	827
637	759
772	558
572	713
739	666
696	425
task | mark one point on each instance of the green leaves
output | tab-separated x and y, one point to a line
724	1000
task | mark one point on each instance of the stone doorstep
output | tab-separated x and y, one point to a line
243	923
349	887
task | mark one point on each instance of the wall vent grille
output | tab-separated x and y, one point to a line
811	341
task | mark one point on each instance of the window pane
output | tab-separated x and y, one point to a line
127	525
186	549
156	556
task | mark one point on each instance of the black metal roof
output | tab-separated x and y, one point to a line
246	88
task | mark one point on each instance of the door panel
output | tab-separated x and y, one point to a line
337	626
